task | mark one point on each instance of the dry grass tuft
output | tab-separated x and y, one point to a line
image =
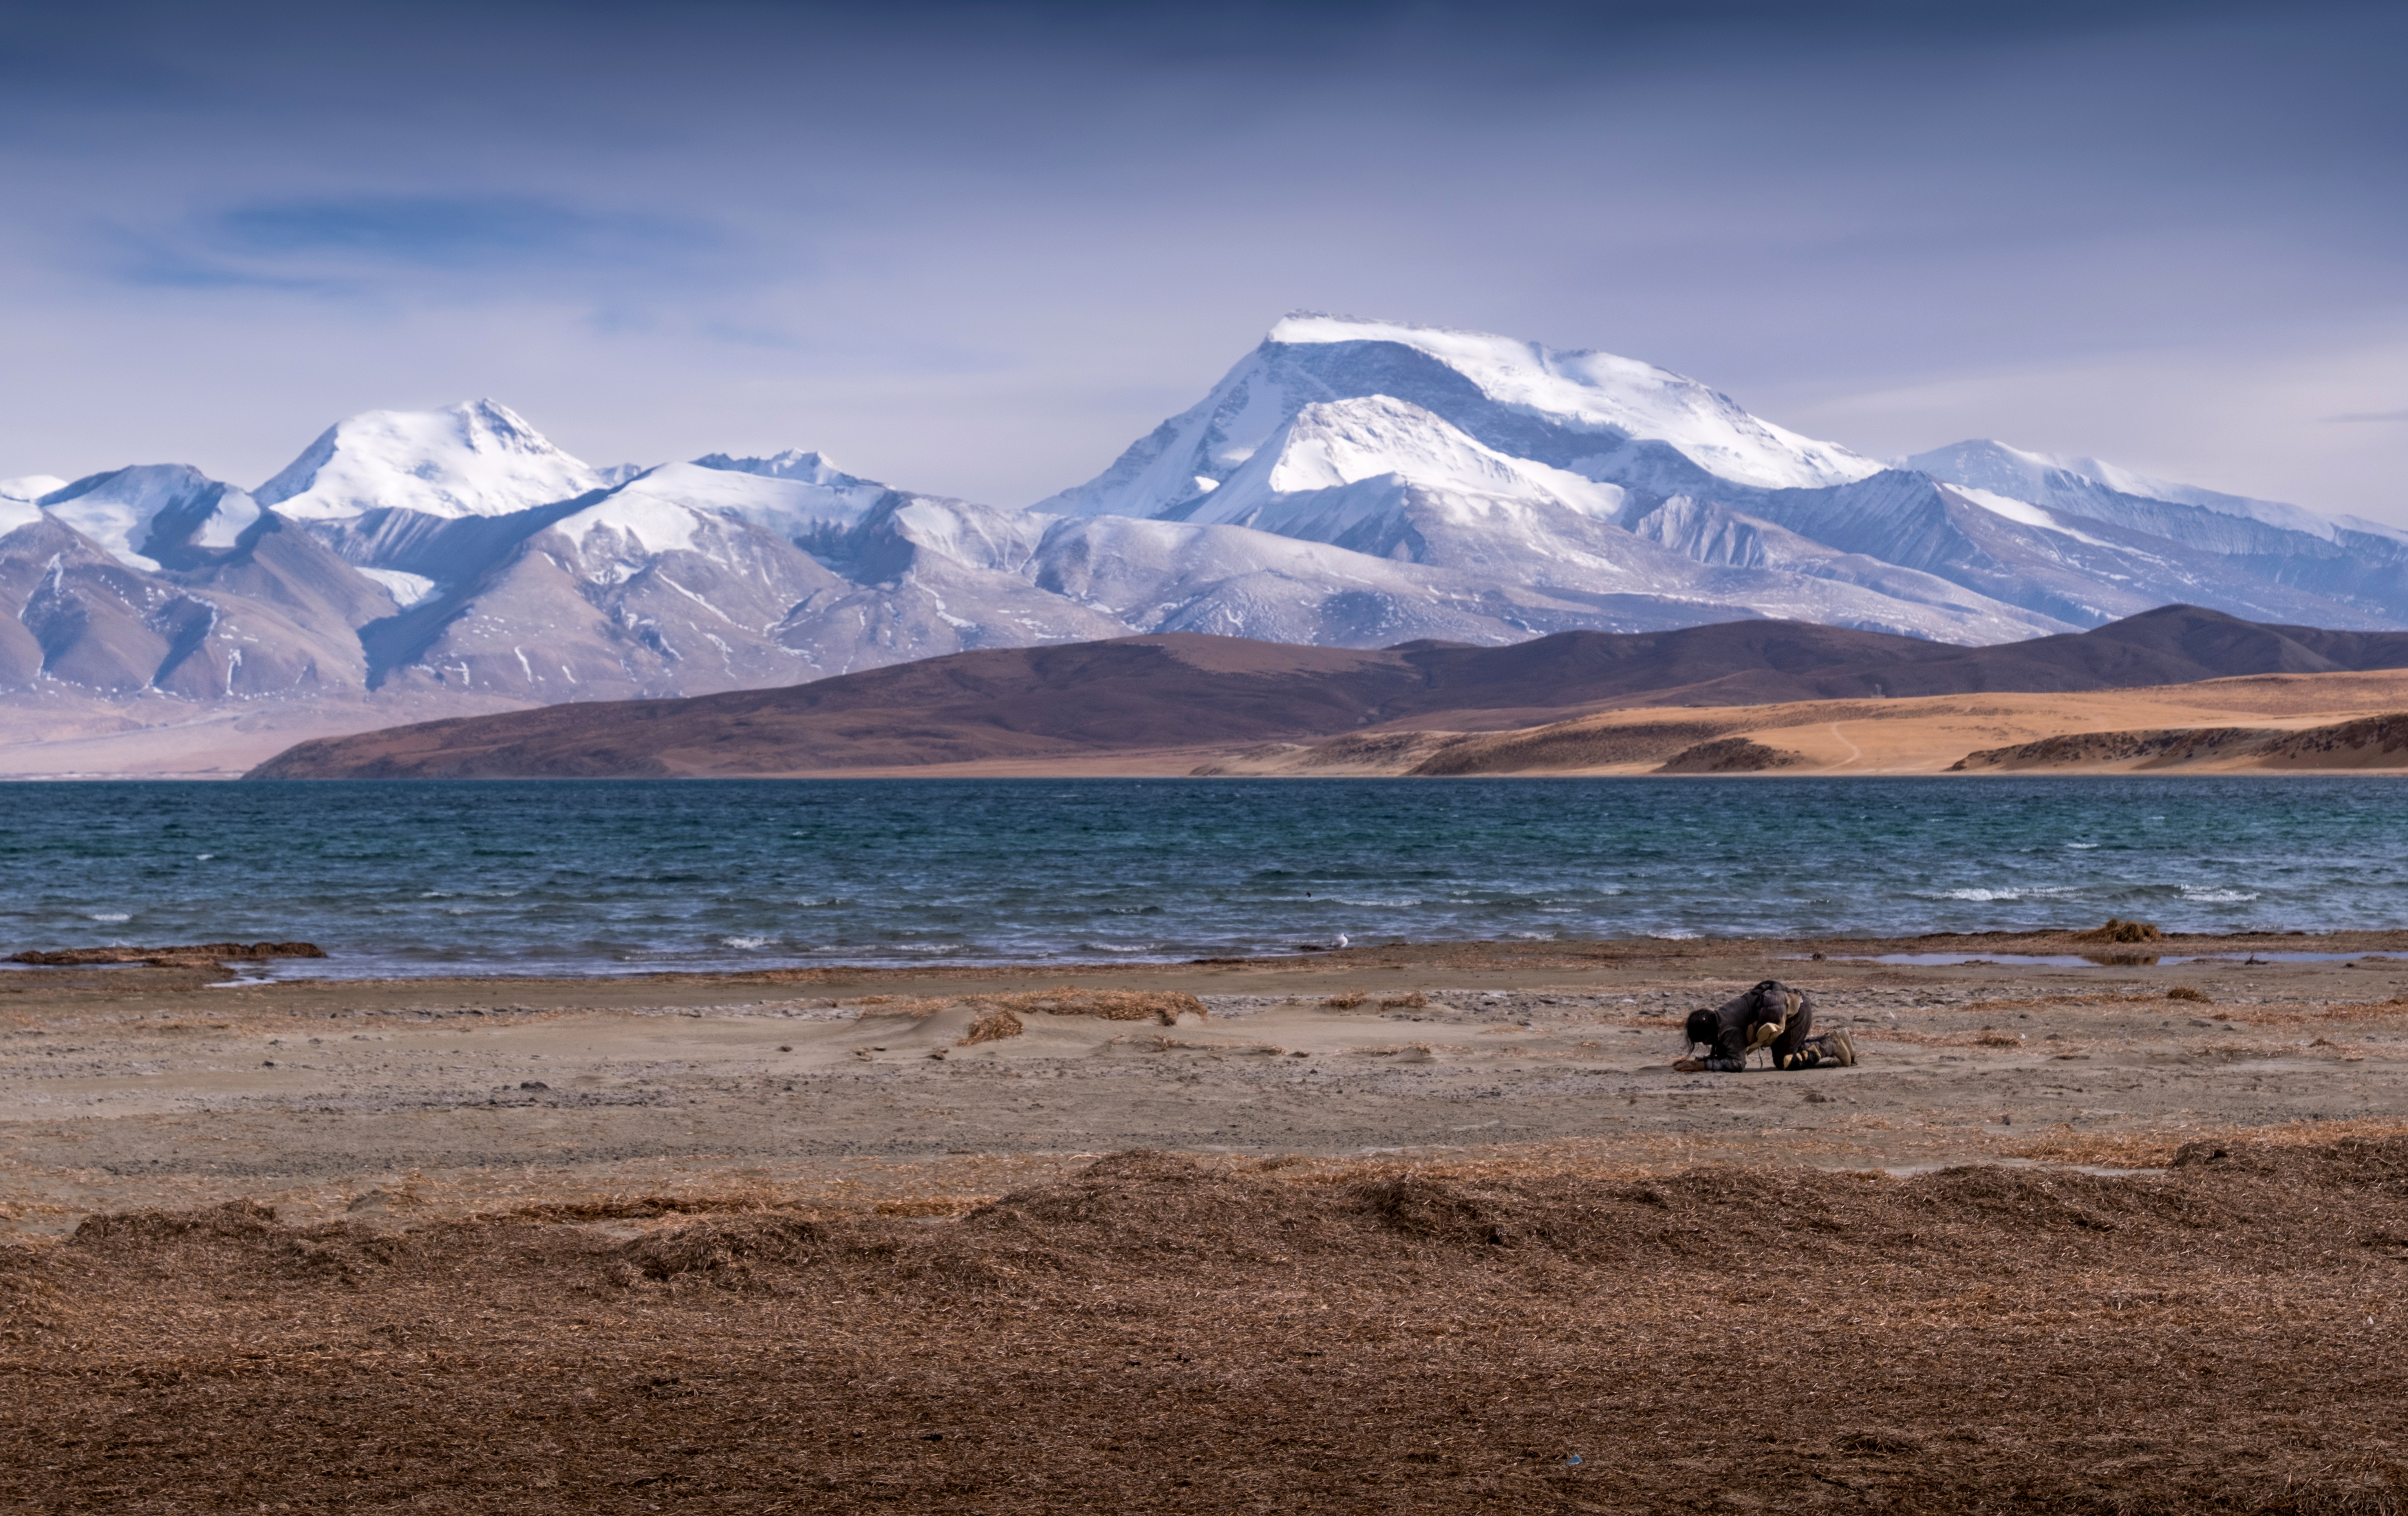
138	1228
1414	1001
933	1205
2158	1150
641	1208
1348	1000
2190	992
992	1024
1163	1006
32	1303
999	1014
1418	1206
724	1250
2377	1011
2121	931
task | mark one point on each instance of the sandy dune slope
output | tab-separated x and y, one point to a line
1923	736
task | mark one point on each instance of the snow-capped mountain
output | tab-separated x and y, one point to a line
1349	483
154	514
474	459
1595	415
1372	429
2088	487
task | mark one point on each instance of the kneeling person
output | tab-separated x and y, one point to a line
1773	1015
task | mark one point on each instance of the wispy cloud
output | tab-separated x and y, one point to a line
454	232
2372	416
350	245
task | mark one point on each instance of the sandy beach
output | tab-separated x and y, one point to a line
137	1088
554	1244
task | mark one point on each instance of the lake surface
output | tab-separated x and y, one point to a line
395	878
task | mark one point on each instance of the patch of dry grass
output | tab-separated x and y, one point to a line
997	1016
933	1204
2156	1150
2120	931
992	1024
2377	1011
1159	1333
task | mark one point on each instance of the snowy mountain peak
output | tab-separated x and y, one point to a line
31	488
662	504
17	497
1606	393
145	514
1612	419
477	458
793	464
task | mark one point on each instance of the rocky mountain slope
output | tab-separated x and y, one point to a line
1349	483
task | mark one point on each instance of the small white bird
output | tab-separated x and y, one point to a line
1341	940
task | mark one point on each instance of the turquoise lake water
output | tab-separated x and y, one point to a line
619	877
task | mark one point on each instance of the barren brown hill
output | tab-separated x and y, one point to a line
2271	722
1201	694
2366	743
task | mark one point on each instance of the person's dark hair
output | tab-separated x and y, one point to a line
1701	1026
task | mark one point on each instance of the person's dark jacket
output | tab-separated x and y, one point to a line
1734	1025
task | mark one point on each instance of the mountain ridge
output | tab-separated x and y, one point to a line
1189	691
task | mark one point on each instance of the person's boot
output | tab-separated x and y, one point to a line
1844	1048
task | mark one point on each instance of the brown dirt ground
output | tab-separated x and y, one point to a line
1162	1333
1437	1220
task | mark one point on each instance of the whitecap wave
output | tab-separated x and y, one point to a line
111	916
2198	895
744	941
2082	847
1979	894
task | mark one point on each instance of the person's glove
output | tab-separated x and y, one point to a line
1688	1065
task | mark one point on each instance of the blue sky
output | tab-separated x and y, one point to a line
976	248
